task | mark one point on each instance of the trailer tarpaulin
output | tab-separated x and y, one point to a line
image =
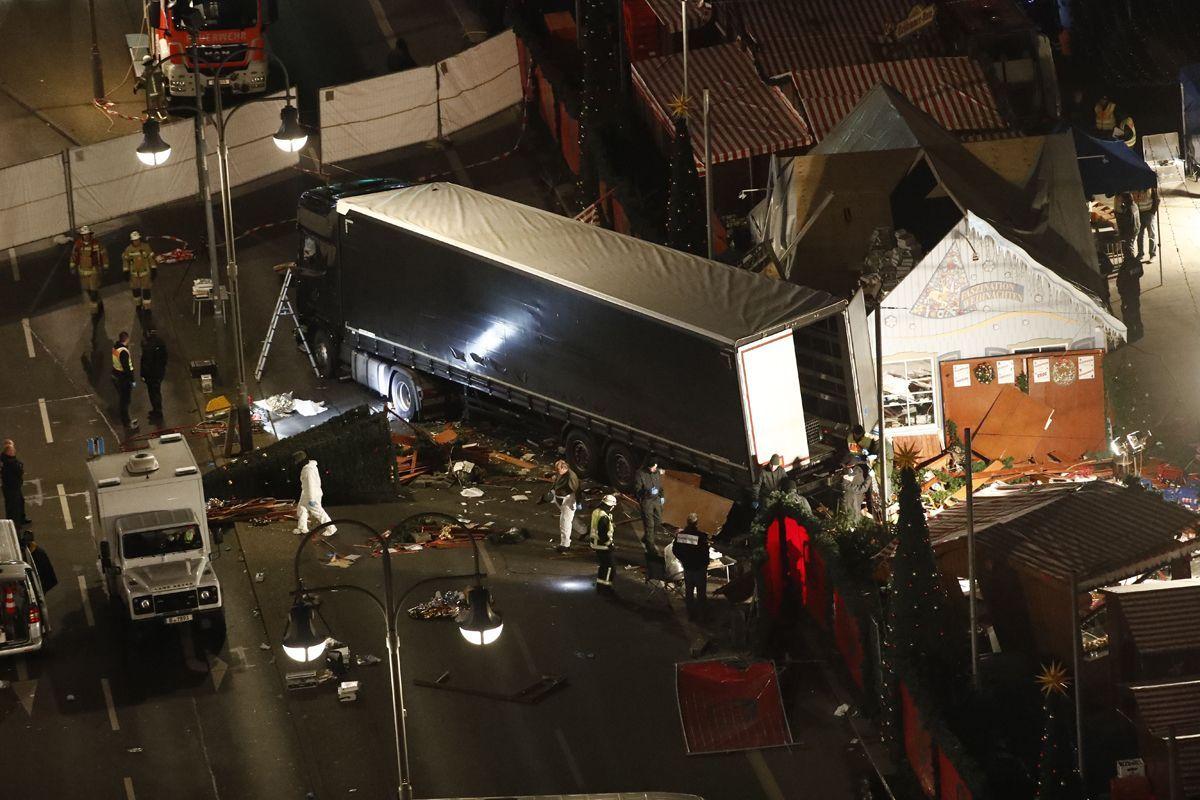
708	298
33	201
726	706
1111	167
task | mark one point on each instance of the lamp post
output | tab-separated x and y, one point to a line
291	138
479	624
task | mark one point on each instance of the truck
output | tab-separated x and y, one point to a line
155	550
230	42
630	347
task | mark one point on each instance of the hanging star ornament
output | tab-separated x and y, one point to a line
680	105
1053	678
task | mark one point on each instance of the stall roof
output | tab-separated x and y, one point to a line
711	299
670	14
810	34
1109	168
1163	616
1097	530
951	89
1161	706
748	117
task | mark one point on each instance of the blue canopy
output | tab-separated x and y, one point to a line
1109	168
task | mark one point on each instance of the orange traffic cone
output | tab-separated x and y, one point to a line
10	601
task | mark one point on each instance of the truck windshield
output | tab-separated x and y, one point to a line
161	542
217	14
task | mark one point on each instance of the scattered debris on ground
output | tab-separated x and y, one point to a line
443	605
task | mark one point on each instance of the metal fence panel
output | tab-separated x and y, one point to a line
33	201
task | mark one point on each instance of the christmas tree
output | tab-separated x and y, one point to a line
1058	766
686	228
597	42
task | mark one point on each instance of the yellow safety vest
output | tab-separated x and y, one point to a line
138	259
116	358
1128	123
1106	116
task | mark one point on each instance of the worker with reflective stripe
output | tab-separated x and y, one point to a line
89	260
1106	117
1126	132
123	379
601	537
139	263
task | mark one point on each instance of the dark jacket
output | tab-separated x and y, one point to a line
154	359
647	485
691	548
45	570
769	480
565	484
12	472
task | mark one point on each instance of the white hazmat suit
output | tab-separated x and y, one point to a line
309	507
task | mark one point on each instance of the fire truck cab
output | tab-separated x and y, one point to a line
230	39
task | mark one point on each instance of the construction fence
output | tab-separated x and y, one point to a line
104	181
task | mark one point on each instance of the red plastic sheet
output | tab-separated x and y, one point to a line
918	743
849	638
727	706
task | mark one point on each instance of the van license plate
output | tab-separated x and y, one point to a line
180	618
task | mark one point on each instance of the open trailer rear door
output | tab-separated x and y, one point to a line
771	403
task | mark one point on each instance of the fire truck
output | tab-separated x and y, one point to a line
230	38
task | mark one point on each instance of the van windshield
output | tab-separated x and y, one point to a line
218	14
162	542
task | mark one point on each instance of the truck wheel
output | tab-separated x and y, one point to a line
324	353
582	453
404	395
620	466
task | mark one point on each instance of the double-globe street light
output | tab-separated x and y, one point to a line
290	138
478	623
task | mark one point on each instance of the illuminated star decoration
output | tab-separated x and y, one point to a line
1053	679
906	455
680	105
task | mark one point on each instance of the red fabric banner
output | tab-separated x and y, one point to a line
952	785
794	554
727	705
918	743
848	637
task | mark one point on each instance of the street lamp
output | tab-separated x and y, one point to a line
479	624
291	136
153	150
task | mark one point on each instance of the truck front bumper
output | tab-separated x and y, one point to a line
251	79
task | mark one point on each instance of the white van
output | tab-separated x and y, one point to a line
24	622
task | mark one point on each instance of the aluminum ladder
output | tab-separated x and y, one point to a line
283	308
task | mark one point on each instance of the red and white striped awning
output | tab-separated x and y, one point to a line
747	117
953	90
811	34
670	14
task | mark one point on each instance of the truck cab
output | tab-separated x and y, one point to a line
154	547
230	41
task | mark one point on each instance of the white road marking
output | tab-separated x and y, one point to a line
572	765
66	507
28	337
108	702
25	692
129	795
486	559
45	421
87	602
12	259
765	777
22	669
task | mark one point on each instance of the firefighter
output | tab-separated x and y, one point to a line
139	263
601	535
89	260
1106	117
123	378
648	488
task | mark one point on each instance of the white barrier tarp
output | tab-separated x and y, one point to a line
252	154
109	181
33	201
379	114
479	82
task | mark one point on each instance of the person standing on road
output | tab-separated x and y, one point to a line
139	263
1147	206
309	507
648	489
154	369
123	378
565	493
41	561
12	478
89	260
691	548
1126	213
1129	284
601	535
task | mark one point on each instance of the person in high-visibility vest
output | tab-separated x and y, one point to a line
123	378
89	260
1146	201
139	263
602	535
1126	132
1106	117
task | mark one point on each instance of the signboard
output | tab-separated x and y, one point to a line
1087	368
1130	766
1041	370
921	16
962	375
1005	372
950	292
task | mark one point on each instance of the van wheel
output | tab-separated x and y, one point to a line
404	395
324	353
582	452
620	466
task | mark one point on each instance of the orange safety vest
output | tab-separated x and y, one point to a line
1106	117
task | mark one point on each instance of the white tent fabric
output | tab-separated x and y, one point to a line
379	114
479	82
33	201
